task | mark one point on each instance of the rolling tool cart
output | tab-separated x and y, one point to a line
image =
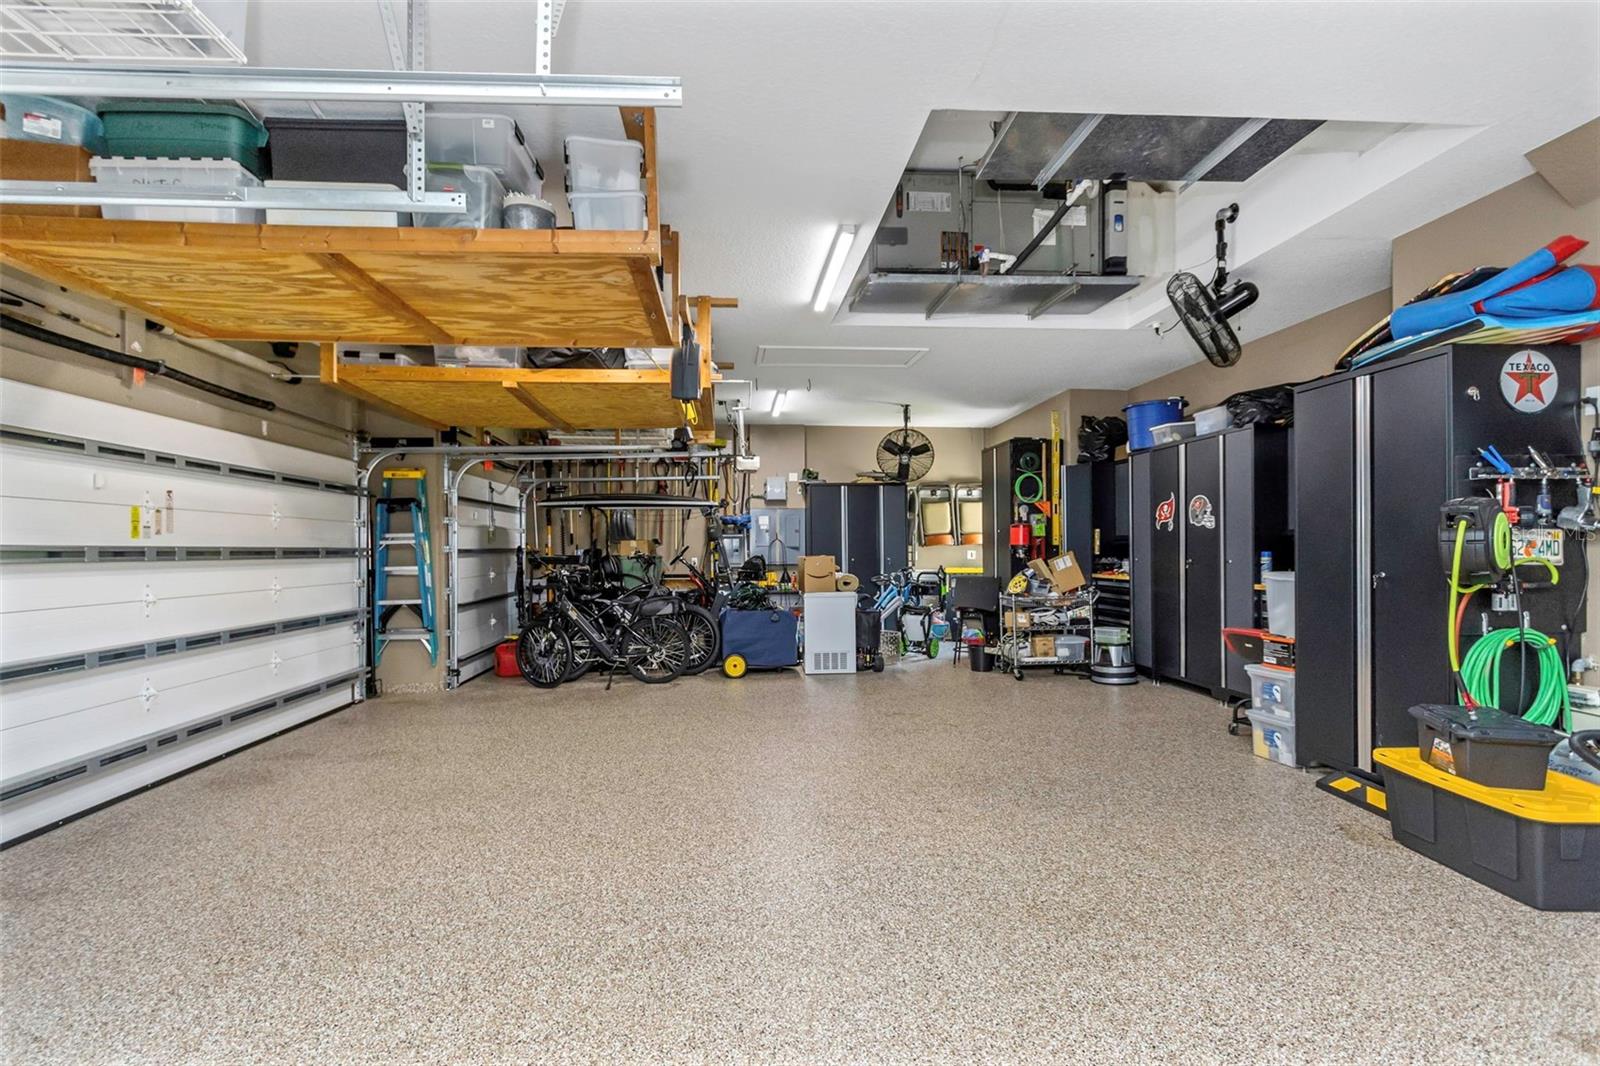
1045	630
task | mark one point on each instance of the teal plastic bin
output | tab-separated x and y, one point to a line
177	129
44	118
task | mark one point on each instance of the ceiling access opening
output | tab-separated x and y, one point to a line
1045	215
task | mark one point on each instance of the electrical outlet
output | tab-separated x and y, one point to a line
1592	392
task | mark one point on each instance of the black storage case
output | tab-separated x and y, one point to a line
1551	866
1484	744
314	149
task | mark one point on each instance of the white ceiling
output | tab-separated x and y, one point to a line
800	116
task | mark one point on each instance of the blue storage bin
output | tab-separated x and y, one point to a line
766	639
44	118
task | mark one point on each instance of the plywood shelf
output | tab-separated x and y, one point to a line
546	288
553	399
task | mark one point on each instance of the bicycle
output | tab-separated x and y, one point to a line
576	631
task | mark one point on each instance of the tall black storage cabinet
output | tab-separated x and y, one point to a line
866	527
1376	453
1202	511
1094	500
1003	464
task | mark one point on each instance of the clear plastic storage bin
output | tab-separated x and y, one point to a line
607	210
1271	686
485	140
1280	601
1212	420
1272	735
595	164
284	216
486	197
44	118
209	173
1171	432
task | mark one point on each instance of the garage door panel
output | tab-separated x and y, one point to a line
53	608
55	500
43	723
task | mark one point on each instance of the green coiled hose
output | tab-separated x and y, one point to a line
1480	673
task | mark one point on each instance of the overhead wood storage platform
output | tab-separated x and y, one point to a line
547	288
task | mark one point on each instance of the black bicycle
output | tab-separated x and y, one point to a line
578	629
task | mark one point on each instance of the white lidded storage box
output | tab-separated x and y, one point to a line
1272	734
607	210
1280	601
830	632
595	164
1171	432
284	216
1212	420
485	140
185	173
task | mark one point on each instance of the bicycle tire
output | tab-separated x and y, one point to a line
704	638
544	655
664	651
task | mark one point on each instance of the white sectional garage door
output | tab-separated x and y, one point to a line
168	593
488	532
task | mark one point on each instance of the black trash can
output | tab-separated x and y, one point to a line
982	658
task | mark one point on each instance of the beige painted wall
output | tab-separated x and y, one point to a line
1301	352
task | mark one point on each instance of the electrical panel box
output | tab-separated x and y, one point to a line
777	488
778	534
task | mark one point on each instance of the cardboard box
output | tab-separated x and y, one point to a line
1019	619
40	161
817	573
1277	651
1043	646
1061	573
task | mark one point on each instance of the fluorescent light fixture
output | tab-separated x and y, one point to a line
842	241
779	398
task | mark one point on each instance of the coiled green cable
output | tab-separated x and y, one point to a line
1480	673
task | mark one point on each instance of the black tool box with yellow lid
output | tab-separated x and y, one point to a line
1539	846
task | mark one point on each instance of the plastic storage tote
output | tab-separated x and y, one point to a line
1212	420
1280	601
1484	744
283	216
44	118
1272	734
1145	414
1171	432
486	196
598	165
176	129
607	210
1271	686
211	173
485	140
342	150
1540	847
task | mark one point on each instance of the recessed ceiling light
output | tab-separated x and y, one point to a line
842	240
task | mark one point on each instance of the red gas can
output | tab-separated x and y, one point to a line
505	659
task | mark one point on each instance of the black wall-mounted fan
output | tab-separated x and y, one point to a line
905	454
1204	311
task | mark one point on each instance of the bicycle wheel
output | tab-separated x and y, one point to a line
705	637
657	649
544	654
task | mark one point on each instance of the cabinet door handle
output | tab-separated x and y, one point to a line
1378	576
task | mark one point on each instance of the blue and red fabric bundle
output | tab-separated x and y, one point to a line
1536	289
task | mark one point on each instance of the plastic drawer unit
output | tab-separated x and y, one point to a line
1541	847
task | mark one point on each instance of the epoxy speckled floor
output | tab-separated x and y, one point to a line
924	865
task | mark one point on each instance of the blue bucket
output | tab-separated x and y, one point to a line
1146	415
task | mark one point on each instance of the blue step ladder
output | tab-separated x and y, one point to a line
389	542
